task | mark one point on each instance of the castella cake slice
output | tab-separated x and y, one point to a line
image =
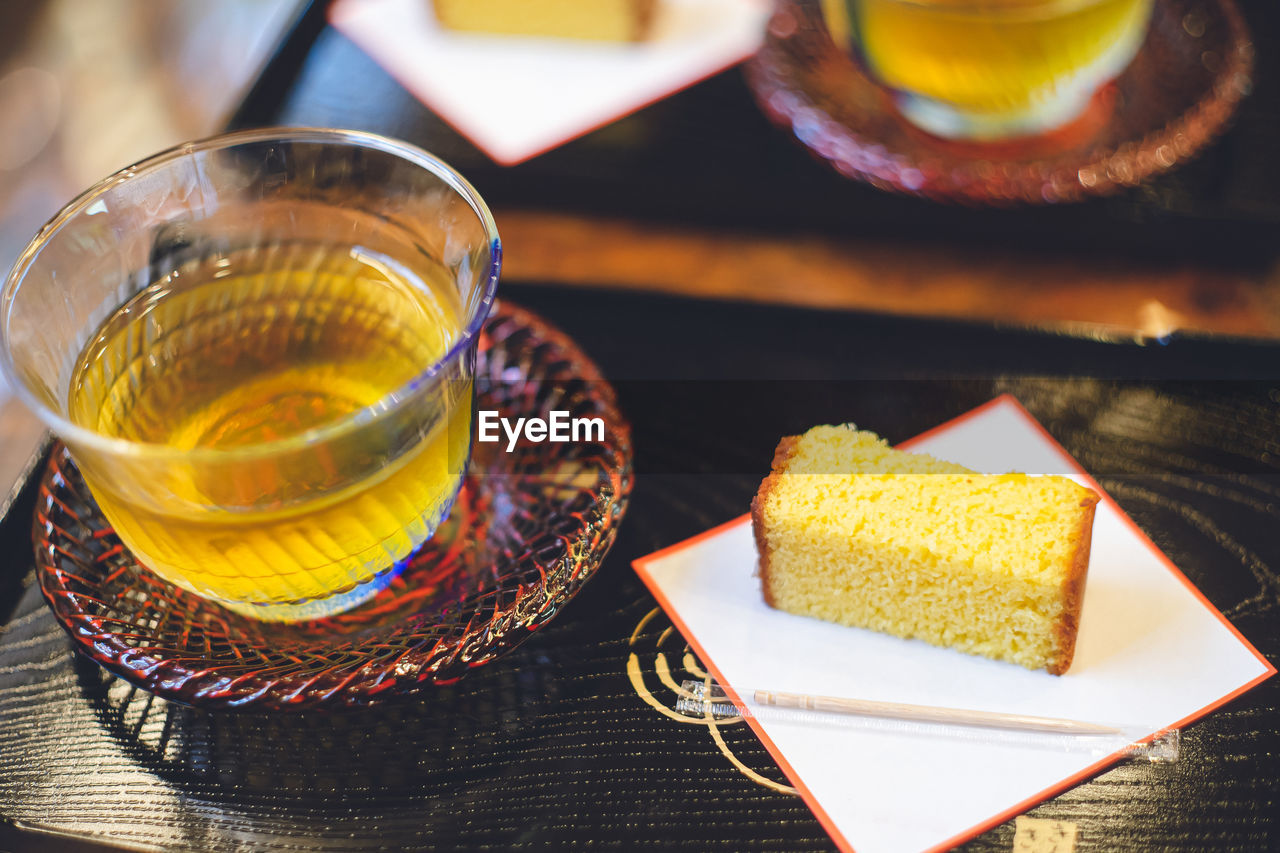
852	531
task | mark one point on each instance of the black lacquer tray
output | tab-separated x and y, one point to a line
565	741
568	740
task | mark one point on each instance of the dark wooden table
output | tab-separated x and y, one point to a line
557	745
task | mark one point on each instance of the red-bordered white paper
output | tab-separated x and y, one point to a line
515	97
1151	650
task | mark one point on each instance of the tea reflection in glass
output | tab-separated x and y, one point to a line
992	69
279	409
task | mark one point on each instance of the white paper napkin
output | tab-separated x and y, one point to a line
516	97
1151	650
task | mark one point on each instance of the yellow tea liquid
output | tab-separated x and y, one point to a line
994	58
266	349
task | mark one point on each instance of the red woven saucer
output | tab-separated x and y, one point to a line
529	528
1177	94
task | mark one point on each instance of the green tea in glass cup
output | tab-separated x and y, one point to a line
260	350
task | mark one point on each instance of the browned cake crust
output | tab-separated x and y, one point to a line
644	14
1073	590
781	456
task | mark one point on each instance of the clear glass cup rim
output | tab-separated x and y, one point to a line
1012	11
390	402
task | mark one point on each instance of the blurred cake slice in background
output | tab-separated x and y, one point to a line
599	20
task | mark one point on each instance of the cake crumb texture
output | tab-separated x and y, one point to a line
852	531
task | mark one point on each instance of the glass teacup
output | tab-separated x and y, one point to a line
259	349
991	69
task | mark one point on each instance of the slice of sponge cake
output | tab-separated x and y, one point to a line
851	531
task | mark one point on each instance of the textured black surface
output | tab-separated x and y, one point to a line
552	746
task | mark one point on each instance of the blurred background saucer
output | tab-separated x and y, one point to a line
1190	74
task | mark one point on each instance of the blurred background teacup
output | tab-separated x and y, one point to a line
988	70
